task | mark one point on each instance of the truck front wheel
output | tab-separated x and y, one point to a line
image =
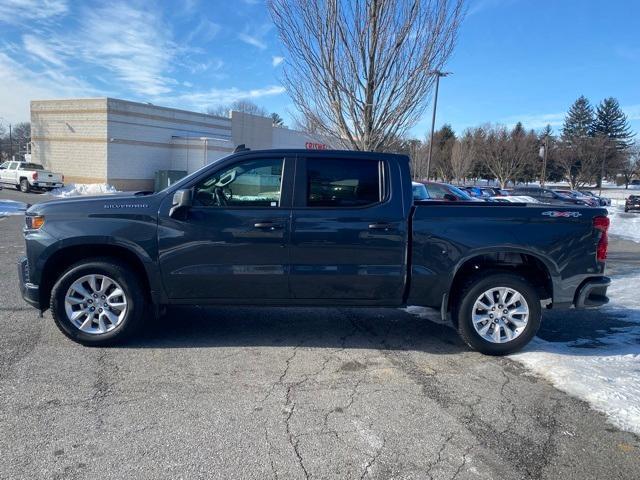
497	314
98	302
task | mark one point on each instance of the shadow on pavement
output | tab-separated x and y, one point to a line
194	327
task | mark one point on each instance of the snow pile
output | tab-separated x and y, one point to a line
77	189
606	375
11	207
625	225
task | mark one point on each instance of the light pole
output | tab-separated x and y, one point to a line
545	151
438	74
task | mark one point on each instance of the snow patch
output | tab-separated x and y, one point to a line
78	189
607	376
11	207
624	225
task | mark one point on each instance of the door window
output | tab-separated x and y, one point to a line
253	183
343	183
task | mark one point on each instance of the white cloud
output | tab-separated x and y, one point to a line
24	11
252	40
20	85
255	36
205	31
275	61
40	49
224	96
133	43
536	120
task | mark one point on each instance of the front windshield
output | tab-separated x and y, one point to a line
459	193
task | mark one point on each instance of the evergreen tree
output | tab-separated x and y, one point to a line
611	123
579	120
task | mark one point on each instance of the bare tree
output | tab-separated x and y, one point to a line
418	155
462	157
245	106
505	154
630	166
581	159
361	71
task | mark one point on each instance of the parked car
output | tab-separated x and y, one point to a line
632	203
223	235
602	201
515	199
494	191
449	193
546	195
419	191
26	176
592	202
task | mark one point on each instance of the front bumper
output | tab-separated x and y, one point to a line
29	291
593	293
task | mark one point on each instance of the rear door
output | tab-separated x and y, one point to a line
348	237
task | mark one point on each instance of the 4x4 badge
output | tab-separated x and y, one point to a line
555	214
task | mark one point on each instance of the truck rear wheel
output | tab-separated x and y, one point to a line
497	314
24	185
98	302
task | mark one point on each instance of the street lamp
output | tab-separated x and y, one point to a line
438	74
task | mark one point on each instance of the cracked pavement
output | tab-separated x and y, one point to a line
262	393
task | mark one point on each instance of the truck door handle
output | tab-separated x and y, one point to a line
268	225
380	226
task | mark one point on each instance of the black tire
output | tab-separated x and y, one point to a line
24	186
130	284
626	210
472	289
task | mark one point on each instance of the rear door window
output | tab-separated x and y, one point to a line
343	183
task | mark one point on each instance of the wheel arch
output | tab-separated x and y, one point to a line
523	262
62	258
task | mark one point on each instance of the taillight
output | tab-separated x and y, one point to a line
602	224
34	176
62	180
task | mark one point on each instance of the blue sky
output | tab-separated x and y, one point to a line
516	59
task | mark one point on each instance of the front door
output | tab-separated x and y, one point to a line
233	241
348	239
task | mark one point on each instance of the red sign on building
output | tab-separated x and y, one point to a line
315	146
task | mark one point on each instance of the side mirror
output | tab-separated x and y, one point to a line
182	200
450	198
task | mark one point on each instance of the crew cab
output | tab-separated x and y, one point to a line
310	228
26	176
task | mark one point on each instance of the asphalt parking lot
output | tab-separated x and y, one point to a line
303	393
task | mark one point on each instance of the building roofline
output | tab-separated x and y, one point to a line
131	102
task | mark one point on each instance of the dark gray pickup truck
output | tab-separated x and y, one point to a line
316	228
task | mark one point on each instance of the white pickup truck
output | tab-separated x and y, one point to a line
26	176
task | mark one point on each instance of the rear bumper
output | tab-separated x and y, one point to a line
593	293
29	291
47	185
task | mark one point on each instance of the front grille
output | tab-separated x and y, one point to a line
25	270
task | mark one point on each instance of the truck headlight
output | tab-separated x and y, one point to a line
34	222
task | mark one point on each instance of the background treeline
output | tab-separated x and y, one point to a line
592	144
17	142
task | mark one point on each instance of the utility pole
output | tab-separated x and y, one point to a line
10	144
438	74
544	160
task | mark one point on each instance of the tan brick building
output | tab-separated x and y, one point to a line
123	143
